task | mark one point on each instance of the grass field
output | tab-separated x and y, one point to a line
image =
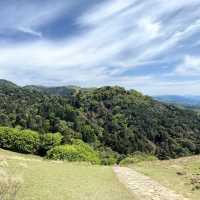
57	180
181	175
50	180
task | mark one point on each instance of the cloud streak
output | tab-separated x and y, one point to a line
116	36
189	66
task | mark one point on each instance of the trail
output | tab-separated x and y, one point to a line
143	187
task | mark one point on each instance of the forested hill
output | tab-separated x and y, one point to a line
109	118
56	91
66	91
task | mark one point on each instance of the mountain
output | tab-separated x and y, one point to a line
180	100
5	83
58	91
111	119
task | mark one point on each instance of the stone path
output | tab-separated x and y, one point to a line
143	187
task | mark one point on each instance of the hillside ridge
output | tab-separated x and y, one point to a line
113	120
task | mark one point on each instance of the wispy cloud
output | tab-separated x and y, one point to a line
30	31
26	16
115	36
190	66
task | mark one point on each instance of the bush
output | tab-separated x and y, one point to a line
25	141
107	156
136	158
78	151
49	141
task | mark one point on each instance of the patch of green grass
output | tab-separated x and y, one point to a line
137	157
179	174
57	180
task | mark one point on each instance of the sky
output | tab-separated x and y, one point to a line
149	45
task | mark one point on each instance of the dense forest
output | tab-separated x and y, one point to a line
111	119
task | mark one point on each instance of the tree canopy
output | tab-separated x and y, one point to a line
124	121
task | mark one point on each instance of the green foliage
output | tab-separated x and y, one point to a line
24	141
78	151
108	157
125	121
67	132
136	158
4	120
133	122
48	141
88	134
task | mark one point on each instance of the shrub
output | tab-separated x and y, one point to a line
88	152
25	141
78	151
48	141
108	157
136	158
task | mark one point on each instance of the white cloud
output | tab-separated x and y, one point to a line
122	34
25	15
154	85
189	67
151	28
30	31
102	12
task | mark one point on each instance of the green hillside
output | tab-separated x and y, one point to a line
113	120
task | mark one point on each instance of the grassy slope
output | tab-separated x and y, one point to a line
175	174
62	181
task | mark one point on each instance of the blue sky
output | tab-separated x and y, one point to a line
148	45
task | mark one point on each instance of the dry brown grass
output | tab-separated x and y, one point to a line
9	182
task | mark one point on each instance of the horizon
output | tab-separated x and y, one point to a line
88	43
55	86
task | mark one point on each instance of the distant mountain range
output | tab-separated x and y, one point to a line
180	100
